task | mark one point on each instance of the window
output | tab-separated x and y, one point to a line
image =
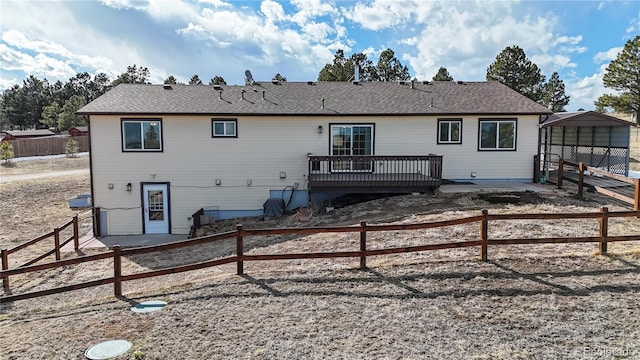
141	135
351	140
449	131
224	128
497	134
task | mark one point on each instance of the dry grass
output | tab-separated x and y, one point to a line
634	161
527	302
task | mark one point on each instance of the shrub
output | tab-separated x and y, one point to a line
71	148
6	153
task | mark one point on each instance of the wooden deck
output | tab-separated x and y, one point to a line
374	174
372	183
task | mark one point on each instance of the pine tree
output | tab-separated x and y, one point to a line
554	96
514	69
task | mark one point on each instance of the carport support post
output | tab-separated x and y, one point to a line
5	265
56	239
560	172
604	230
239	250
363	245
484	234
117	270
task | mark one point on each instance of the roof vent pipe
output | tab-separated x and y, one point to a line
242	94
412	86
431	103
263	95
322	107
356	77
220	94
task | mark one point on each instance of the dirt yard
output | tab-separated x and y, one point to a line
526	302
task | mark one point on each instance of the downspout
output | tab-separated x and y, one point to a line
537	165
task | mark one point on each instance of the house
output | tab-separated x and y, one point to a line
159	153
24	134
595	139
79	131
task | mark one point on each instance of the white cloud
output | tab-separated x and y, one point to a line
7	83
273	11
634	25
586	90
216	3
608	55
39	65
311	9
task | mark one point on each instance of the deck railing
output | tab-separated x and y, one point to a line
375	173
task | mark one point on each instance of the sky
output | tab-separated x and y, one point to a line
58	39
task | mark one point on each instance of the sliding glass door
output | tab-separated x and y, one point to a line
351	140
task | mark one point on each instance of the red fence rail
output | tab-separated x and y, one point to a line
483	241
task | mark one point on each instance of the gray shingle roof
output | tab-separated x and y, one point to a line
300	98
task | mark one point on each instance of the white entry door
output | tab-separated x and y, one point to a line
156	208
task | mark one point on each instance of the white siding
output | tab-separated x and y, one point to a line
266	146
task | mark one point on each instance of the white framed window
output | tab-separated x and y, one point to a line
449	131
497	134
142	135
224	128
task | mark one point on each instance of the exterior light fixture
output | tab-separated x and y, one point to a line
129	187
320	129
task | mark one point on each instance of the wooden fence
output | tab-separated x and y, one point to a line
50	145
621	193
58	243
362	252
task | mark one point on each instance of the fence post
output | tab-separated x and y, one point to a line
56	237
604	230
76	235
636	202
560	172
580	179
4	253
117	271
363	245
239	250
484	234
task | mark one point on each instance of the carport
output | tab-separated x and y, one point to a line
595	139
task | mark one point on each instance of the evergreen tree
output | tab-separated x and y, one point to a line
133	75
217	80
514	69
343	69
171	80
389	68
68	118
279	78
554	96
195	80
623	75
442	75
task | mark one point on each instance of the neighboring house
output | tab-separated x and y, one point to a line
24	134
79	131
595	139
160	153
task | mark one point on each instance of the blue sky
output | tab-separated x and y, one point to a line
57	39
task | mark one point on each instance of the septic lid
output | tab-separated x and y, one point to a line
149	306
107	349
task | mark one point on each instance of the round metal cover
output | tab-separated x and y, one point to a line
107	349
149	306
